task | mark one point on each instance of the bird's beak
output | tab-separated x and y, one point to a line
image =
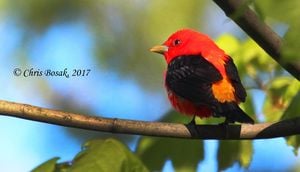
161	49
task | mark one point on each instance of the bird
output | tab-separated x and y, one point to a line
201	79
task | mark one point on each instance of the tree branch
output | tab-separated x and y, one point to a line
244	131
261	33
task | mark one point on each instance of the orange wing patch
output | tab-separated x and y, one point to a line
223	91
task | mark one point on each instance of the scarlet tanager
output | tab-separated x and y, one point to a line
202	80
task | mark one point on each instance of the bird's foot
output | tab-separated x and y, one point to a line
192	127
225	126
192	122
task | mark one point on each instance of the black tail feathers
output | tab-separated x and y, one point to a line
233	113
240	116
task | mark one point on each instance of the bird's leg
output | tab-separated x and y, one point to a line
193	121
225	124
192	127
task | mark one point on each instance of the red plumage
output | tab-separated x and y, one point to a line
186	107
201	79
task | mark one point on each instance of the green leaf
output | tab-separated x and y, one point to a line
246	153
280	92
248	106
291	112
284	11
228	43
253	55
48	166
106	155
295	142
176	117
184	154
291	44
293	109
233	151
228	153
98	155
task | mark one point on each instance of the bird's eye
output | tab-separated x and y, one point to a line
176	42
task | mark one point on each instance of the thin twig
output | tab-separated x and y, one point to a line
261	33
160	129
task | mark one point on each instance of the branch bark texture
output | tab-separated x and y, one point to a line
160	129
261	33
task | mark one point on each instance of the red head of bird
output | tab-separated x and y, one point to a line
191	42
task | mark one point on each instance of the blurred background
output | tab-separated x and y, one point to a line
111	39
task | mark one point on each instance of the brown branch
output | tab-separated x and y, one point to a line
261	33
244	131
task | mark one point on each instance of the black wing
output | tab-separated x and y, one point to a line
191	78
233	75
